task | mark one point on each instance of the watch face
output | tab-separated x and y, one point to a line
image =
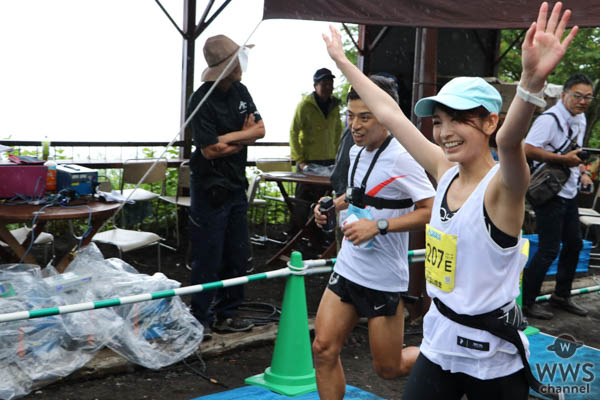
382	224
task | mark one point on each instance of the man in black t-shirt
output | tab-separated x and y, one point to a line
221	128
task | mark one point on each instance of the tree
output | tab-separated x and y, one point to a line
583	56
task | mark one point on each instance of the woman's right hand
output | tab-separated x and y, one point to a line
334	45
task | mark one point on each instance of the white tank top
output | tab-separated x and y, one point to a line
486	278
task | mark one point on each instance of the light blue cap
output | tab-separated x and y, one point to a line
463	93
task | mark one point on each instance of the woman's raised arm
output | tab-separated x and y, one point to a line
386	110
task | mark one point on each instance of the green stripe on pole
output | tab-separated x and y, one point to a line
107	303
67	309
46	312
573	292
186	290
213	285
163	294
257	277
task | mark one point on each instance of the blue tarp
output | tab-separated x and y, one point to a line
582	264
260	393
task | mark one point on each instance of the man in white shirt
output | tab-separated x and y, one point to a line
556	137
390	195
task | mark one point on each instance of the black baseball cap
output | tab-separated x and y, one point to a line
322	73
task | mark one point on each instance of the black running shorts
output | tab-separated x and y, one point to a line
368	303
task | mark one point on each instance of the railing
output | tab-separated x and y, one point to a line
60	150
115	153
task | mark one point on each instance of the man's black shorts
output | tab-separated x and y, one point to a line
368	303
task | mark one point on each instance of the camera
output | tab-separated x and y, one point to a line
583	155
327	208
355	196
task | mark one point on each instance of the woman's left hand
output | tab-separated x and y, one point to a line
543	48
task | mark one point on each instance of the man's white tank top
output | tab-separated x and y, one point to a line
486	278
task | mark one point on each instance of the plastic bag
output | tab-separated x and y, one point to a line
153	333
37	351
33	351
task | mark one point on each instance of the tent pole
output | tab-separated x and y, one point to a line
424	84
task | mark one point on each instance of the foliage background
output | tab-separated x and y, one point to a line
583	56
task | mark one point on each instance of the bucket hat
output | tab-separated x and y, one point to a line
218	52
463	93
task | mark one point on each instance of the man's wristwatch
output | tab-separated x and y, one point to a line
382	225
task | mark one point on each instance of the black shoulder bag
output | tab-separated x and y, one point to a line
547	179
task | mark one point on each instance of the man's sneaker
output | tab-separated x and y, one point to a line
536	311
235	324
567	304
207	335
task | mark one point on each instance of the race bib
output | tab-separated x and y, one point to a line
440	259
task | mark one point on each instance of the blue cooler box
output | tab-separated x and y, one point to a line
582	264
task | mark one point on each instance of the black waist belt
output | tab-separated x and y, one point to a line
380	203
505	325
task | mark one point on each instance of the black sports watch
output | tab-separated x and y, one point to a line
382	225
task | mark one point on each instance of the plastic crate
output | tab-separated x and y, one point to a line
582	264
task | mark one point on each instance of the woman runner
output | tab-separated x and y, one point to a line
473	238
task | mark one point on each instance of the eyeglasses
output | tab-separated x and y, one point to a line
578	96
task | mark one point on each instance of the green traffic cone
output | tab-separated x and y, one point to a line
291	372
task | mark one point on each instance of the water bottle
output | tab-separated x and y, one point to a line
45	148
50	175
327	208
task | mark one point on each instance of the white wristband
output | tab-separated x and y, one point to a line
533	98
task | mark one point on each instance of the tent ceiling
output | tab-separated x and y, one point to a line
482	14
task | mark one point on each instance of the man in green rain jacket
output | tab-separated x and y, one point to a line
315	134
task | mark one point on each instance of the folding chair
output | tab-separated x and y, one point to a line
589	218
265	165
43	239
155	172
179	200
253	205
591	211
126	240
135	169
104	184
274	165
